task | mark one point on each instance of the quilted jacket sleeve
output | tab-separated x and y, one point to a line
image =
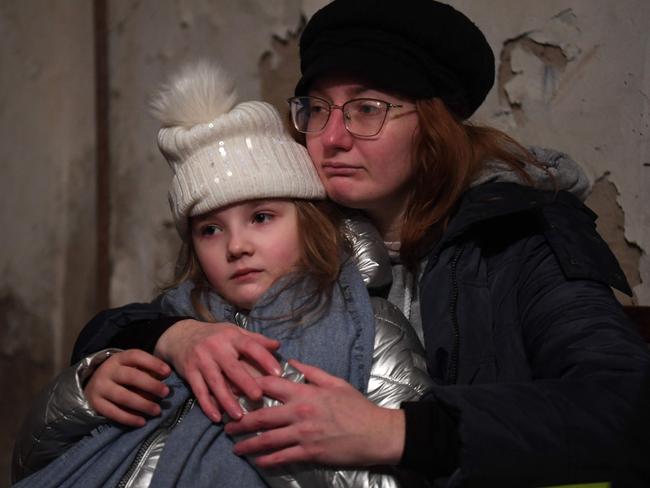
60	416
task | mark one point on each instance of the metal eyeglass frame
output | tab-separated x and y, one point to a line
346	118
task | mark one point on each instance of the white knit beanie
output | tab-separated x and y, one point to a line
222	155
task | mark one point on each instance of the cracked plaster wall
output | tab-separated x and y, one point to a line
575	75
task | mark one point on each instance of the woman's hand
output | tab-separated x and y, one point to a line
128	384
211	358
326	422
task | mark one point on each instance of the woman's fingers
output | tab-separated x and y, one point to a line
266	342
325	422
220	391
259	354
210	386
277	440
202	393
283	390
241	378
248	358
291	454
262	419
316	375
211	358
279	388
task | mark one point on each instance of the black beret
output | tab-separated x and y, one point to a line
417	48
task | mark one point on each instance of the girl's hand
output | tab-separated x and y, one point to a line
325	422
211	358
128	384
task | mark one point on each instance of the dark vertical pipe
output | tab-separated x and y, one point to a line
100	17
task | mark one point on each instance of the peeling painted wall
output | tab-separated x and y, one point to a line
610	224
573	75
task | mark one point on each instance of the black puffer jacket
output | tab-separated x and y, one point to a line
541	371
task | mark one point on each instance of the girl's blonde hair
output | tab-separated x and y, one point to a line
447	155
322	247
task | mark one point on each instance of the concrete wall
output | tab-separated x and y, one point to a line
46	196
574	75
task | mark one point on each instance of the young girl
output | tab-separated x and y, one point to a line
259	252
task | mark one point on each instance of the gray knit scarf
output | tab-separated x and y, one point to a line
197	452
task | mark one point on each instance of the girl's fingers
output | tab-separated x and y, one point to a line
135	378
119	415
145	361
132	400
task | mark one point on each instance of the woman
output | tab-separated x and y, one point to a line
540	377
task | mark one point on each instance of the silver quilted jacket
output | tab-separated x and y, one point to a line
61	415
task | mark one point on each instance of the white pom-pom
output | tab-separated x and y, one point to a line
197	94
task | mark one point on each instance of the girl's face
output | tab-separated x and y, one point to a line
368	173
245	247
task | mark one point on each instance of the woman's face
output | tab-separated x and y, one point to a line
367	173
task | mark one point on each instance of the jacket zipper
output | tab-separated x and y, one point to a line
452	375
149	441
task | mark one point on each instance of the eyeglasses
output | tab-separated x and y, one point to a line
363	117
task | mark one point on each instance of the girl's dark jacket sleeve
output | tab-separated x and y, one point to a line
535	359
